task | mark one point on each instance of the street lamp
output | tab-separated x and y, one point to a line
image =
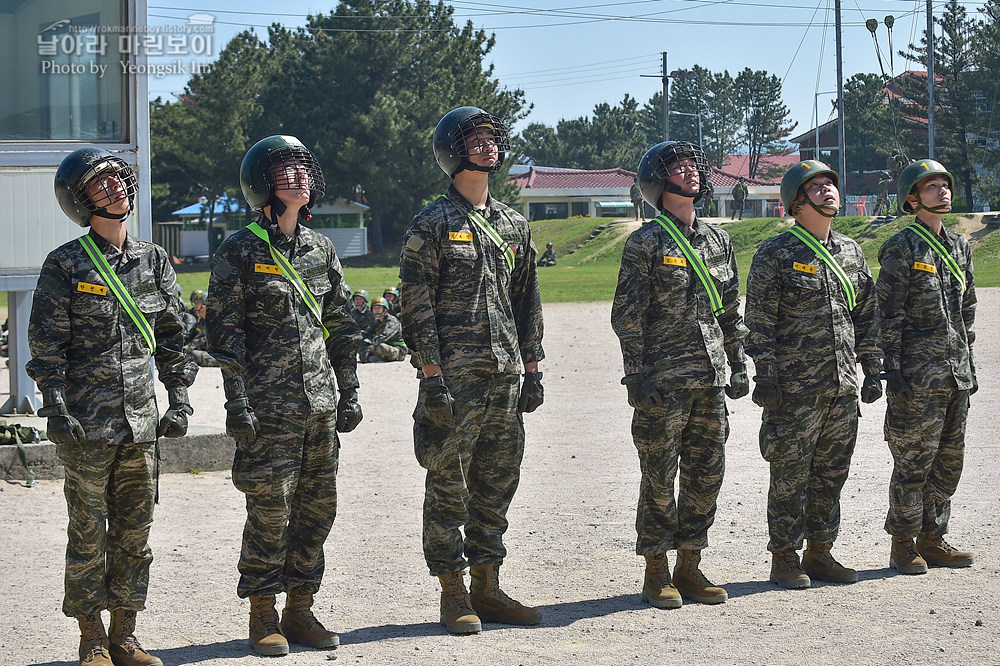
816	117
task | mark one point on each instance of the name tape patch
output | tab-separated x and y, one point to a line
920	266
461	236
88	288
805	268
267	268
675	261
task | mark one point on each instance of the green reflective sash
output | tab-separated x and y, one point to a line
292	275
695	262
491	233
133	311
810	241
935	244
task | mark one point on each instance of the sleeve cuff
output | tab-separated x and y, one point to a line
347	378
422	358
178	395
871	367
235	388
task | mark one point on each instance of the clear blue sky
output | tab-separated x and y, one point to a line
569	56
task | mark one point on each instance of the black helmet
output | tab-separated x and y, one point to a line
455	127
77	170
653	170
266	168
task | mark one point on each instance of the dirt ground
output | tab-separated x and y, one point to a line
571	545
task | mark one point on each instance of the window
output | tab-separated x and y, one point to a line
581	208
62	67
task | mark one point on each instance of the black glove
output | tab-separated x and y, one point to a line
241	422
174	422
739	384
62	428
532	393
348	410
641	392
896	386
438	402
871	389
766	393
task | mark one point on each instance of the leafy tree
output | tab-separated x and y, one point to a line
758	95
699	90
986	53
868	124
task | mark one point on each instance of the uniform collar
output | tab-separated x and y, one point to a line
129	251
463	204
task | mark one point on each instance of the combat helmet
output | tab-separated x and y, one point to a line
80	168
378	300
197	296
793	179
450	149
654	166
277	163
915	172
360	292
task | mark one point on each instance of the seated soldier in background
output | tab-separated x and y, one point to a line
387	343
362	313
391	296
195	342
548	257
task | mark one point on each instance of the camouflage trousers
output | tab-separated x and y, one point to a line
926	437
388	352
808	442
688	432
473	468
109	498
289	477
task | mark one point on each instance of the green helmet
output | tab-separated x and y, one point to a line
77	170
915	172
269	166
653	167
799	174
390	290
197	296
378	300
362	293
455	127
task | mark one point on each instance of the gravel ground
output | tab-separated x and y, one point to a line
571	545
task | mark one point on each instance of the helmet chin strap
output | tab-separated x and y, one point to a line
825	211
673	189
469	166
933	210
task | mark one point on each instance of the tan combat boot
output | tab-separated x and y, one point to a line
93	641
299	625
692	583
939	553
904	557
657	589
125	649
492	604
456	608
786	572
819	564
265	634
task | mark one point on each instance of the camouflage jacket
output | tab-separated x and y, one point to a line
662	314
926	321
365	321
269	344
463	308
86	349
801	330
388	331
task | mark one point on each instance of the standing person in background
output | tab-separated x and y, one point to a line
106	304
676	313
278	328
472	318
812	318
927	298
740	193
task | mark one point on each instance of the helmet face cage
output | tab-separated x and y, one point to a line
466	135
99	170
654	168
288	167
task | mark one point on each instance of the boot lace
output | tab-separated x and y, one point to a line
909	549
493	587
691	563
659	566
268	616
789	560
454	592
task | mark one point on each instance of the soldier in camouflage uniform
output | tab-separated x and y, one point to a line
387	343
195	340
927	300
675	344
391	296
472	318
281	336
810	323
362	314
90	358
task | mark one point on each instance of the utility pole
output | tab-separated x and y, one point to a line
841	141
665	78
930	81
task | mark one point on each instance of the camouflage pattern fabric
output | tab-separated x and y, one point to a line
662	314
465	310
927	333
387	343
87	349
268	343
289	477
926	437
107	562
690	428
802	333
196	342
473	469
365	321
808	442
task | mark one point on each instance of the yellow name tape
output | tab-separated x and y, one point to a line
88	288
920	266
805	268
267	268
463	236
675	261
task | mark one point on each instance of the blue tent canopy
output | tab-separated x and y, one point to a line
225	204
